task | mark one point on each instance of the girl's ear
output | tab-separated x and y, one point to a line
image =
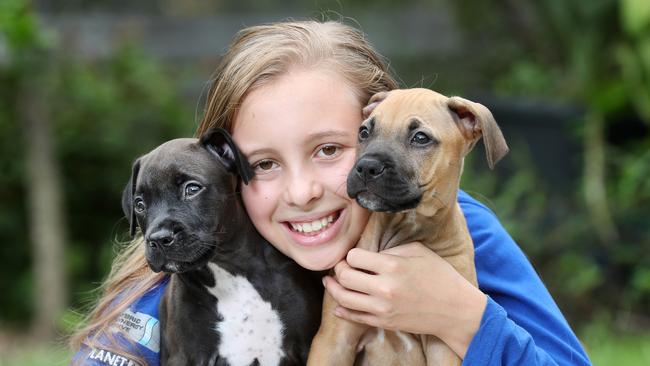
221	145
127	198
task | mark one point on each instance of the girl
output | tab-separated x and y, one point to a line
291	94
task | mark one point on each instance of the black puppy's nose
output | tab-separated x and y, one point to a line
369	168
160	237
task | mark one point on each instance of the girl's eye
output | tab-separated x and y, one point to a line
192	189
328	151
264	166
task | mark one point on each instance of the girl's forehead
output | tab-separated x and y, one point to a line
298	105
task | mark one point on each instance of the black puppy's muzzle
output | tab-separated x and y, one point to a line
174	247
162	237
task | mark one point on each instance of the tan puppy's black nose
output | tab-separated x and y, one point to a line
160	237
369	168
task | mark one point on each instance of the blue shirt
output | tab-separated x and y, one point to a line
521	324
141	334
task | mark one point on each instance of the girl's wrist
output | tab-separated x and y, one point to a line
466	319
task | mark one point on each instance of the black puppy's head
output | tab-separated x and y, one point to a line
183	197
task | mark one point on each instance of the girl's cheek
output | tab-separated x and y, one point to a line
258	197
337	175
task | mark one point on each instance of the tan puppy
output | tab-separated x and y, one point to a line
409	162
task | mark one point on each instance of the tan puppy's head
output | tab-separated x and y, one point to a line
411	149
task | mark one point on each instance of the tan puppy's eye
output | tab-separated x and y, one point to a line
420	138
364	133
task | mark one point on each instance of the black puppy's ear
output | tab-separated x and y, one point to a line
219	142
127	198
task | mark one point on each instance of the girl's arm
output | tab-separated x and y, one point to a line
412	289
521	323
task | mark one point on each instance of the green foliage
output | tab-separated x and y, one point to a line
581	53
18	27
109	114
104	114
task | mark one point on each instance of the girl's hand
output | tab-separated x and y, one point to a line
408	288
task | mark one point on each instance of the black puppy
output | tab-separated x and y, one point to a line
233	299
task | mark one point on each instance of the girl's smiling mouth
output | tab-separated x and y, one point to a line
315	231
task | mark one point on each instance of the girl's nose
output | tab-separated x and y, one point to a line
303	189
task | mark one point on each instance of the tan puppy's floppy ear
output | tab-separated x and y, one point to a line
474	121
373	102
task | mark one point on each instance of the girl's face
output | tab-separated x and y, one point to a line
299	133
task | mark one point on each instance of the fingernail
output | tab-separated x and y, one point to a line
324	285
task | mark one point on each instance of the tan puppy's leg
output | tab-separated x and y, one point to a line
336	342
393	348
438	353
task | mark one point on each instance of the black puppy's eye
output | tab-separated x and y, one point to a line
192	189
364	133
420	138
138	205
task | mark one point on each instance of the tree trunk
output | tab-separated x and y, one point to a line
45	210
595	190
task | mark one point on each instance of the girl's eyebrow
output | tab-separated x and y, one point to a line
309	140
261	151
326	134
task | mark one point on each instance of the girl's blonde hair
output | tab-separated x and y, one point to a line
261	53
256	56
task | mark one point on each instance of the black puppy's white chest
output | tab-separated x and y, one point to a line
250	329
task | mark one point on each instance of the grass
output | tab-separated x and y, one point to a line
36	355
626	349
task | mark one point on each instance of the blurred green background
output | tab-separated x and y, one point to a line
87	86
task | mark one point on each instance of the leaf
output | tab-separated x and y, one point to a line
635	16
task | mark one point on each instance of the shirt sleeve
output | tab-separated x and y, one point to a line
521	324
137	332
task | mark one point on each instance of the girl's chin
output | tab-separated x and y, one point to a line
318	264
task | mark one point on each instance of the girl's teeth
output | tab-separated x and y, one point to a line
316	225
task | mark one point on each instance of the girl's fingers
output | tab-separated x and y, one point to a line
350	299
414	249
357	316
353	279
371	261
